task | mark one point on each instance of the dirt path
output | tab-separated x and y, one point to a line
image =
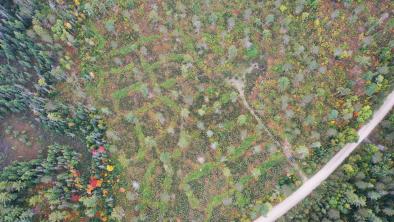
285	146
286	149
330	167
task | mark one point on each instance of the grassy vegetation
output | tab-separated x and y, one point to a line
312	71
198	98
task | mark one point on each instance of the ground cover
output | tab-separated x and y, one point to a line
215	110
181	132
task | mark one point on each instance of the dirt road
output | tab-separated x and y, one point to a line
330	167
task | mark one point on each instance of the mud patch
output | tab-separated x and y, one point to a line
23	139
19	141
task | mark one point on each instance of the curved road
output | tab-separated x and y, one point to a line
330	167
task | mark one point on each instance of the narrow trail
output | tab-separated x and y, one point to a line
330	167
285	146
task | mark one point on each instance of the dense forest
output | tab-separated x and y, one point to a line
56	185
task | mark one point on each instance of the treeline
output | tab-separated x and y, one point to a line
25	73
50	188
